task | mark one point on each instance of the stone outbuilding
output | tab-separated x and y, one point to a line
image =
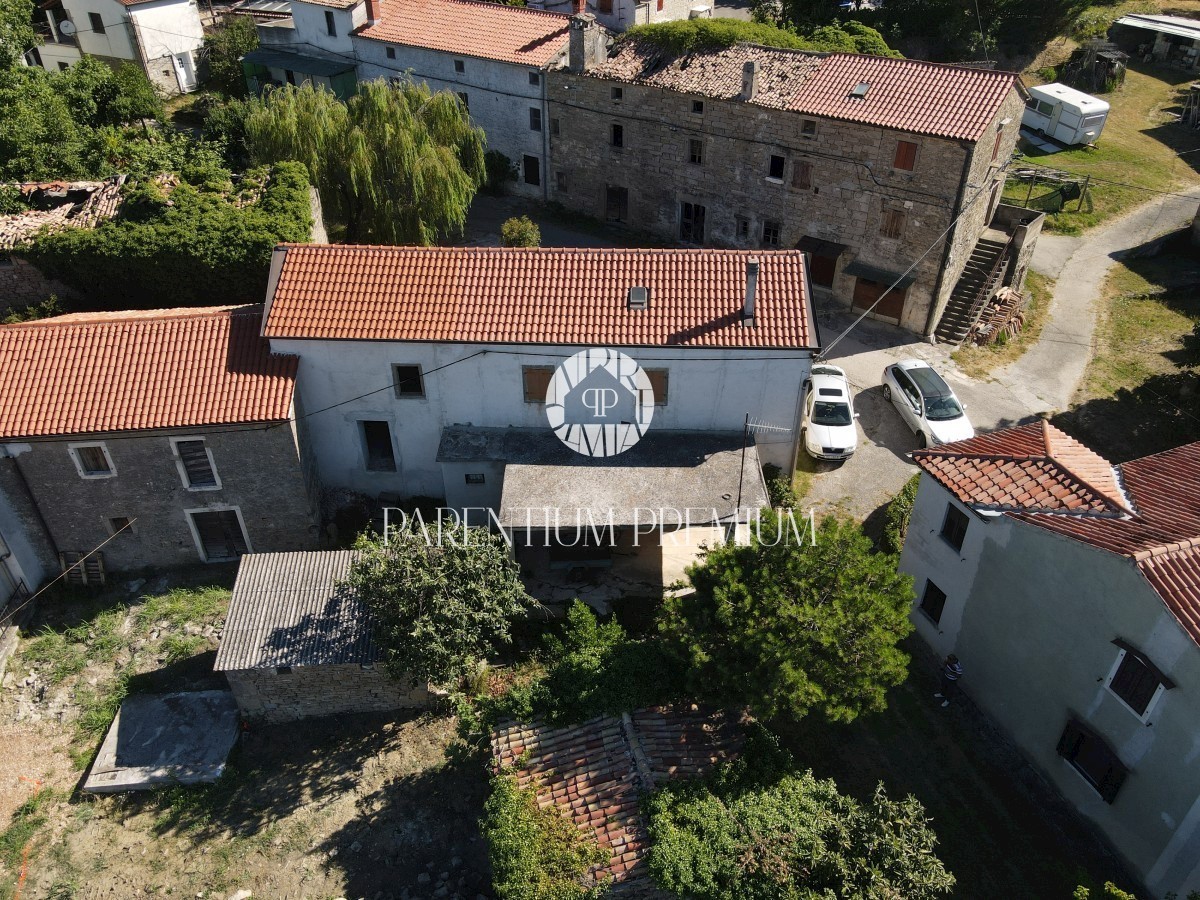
297	642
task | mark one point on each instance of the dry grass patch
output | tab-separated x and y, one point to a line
981	361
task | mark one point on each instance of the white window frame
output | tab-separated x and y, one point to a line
191	523
183	476
73	449
1158	691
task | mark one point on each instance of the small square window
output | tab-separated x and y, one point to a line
283	670
120	524
771	234
1136	680
617	93
535	79
892	225
96	22
92	460
808	128
560	181
775	168
659	383
933	602
408	381
475	478
616	135
460	66
604	7
696	152
536	382
698	107
391	52
535	119
954	527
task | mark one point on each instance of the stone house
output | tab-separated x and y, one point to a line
297	643
618	15
1070	590
162	37
883	170
154	438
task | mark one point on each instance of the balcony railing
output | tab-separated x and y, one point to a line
51	37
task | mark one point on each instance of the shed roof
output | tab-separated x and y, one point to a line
288	609
1180	26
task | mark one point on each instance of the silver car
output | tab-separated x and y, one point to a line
926	403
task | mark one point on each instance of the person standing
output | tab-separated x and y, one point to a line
952	670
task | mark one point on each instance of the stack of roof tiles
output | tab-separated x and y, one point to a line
60	205
1147	510
539	296
594	773
90	373
910	95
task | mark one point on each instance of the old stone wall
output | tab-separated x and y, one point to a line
259	471
22	284
301	692
851	183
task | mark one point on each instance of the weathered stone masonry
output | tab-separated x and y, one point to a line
300	692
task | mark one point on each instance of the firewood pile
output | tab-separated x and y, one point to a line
59	205
1003	315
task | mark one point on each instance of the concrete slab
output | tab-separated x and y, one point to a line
159	739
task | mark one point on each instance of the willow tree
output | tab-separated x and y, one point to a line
398	163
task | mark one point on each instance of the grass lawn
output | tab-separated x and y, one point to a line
1140	146
1141	390
980	361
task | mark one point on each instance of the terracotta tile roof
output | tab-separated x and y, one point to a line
59	205
594	772
905	94
1157	526
103	372
527	37
539	296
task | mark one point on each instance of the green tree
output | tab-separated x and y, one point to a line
39	136
135	97
224	49
441	602
520	231
398	163
789	627
757	829
16	31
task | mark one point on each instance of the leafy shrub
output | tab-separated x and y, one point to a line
499	169
536	854
779	488
899	511
758	829
42	310
708	35
11	200
224	48
520	231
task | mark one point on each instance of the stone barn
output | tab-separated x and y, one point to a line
298	644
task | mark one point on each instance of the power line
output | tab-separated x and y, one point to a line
1097	180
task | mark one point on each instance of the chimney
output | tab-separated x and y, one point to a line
372	11
749	80
751	291
586	48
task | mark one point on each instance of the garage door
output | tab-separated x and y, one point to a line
866	292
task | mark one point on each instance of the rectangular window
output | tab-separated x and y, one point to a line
698	107
691	223
289	76
954	527
892	225
536	382
195	464
1136	680
821	270
659	382
330	24
775	169
659	7
554	126
391	52
62	66
741	227
770	234
616	203
808	128
906	156
459	66
616	94
219	534
1093	759
616	135
532	170
535	119
120	525
933	601
466	101
476	479
378	452
535	79
92	460
407	381
696	152
96	22
605	7
802	175
560	181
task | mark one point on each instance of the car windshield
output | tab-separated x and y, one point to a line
940	402
826	413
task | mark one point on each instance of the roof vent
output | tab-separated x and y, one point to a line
860	90
639	298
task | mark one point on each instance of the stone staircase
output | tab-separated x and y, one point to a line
978	281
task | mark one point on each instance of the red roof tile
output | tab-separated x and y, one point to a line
513	34
102	372
594	772
1157	527
539	296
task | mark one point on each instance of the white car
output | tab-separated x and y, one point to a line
829	428
926	403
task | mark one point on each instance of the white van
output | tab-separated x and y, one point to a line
1064	114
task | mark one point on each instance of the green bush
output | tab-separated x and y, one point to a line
708	35
224	48
898	513
200	250
536	854
779	488
520	231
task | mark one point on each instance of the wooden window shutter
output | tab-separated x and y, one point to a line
196	463
906	156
